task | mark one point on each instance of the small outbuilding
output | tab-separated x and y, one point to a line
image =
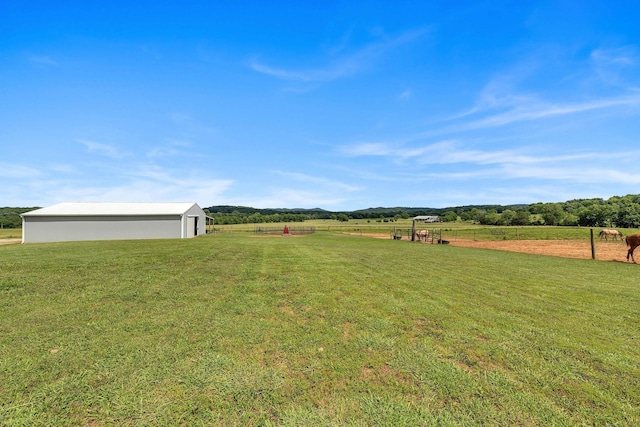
66	222
427	218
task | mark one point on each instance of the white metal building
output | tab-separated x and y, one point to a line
66	222
427	218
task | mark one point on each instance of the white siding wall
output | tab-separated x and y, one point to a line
74	228
189	222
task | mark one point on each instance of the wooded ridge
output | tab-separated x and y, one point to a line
617	211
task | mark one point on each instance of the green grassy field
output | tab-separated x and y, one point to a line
10	233
449	230
326	329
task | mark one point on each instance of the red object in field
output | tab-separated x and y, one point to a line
286	231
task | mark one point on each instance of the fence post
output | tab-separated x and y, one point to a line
593	246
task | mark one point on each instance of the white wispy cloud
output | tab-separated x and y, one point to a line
502	100
149	190
42	60
368	149
610	63
504	195
104	149
173	147
442	152
619	56
406	94
190	125
573	174
9	170
63	168
180	117
206	192
318	180
286	197
465	163
567	173
543	111
342	67
492	112
130	183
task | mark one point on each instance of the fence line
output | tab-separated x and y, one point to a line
403	231
280	230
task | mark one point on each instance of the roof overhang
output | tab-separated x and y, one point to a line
111	209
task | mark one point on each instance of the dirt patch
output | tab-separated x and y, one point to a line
9	241
581	249
375	235
277	235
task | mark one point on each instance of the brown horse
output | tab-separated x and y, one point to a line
633	241
607	233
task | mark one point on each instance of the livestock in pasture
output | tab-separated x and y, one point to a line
422	235
633	241
614	233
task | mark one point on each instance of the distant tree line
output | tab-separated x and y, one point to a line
617	211
10	217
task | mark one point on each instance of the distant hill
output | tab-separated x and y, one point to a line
617	211
226	209
620	211
244	210
10	217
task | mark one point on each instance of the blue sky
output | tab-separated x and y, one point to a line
337	105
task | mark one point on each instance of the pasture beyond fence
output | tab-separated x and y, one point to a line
486	233
515	233
280	230
402	230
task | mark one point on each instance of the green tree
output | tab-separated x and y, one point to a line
449	216
570	219
492	218
628	215
522	218
474	214
594	216
552	214
342	217
508	216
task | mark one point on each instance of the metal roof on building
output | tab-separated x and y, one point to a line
111	209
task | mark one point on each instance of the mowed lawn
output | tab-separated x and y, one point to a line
325	329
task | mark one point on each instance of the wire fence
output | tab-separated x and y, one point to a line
284	230
440	231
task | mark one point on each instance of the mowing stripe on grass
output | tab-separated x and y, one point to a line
323	329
